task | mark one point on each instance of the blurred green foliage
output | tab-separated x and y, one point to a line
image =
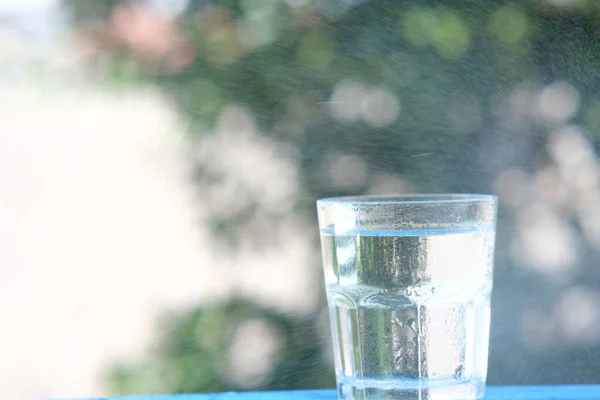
445	61
193	355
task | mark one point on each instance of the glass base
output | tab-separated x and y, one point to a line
402	390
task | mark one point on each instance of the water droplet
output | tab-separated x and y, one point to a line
412	324
460	372
398	359
397	321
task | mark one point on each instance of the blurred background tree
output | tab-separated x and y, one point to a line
373	96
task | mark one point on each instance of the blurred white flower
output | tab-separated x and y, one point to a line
274	260
256	166
253	354
281	276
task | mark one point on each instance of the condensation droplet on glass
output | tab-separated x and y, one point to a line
459	372
399	358
412	324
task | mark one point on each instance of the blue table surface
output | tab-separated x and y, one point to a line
579	392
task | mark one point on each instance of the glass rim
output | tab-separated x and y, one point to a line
407	199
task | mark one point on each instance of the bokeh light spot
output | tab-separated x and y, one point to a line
298	3
346	101
380	107
170	8
316	49
570	150
418	25
441	28
546	242
451	37
558	102
258	9
508	25
253	33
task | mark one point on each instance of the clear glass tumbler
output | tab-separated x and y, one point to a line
408	285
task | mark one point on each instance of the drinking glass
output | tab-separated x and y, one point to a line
408	286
